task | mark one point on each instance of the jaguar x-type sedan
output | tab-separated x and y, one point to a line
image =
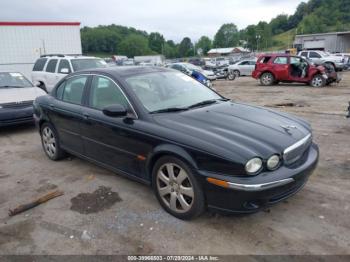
196	148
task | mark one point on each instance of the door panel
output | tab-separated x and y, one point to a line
281	68
110	140
66	112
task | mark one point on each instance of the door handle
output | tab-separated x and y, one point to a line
51	106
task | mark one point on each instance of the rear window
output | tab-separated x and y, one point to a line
39	65
82	64
265	59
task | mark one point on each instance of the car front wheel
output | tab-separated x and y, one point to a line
177	189
267	79
318	81
50	142
231	76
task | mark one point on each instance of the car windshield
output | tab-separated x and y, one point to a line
81	64
169	90
13	80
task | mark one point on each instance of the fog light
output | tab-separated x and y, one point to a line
273	162
253	166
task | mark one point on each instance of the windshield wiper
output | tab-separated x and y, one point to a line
208	102
170	109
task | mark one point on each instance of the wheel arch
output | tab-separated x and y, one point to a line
268	71
168	150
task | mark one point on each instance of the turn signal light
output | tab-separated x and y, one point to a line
218	182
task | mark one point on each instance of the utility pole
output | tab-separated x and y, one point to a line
257	42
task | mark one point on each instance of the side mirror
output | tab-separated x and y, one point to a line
115	110
64	71
37	84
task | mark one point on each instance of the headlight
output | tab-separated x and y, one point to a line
273	162
253	165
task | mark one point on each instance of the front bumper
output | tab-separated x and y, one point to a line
15	116
251	194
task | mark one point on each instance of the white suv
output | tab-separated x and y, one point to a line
48	70
320	57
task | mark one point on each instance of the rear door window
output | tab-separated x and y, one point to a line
314	55
73	90
51	66
281	60
39	65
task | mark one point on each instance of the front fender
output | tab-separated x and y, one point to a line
169	149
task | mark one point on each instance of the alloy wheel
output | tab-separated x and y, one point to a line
267	79
317	81
49	141
175	188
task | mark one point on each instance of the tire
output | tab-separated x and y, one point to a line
237	73
176	188
51	143
231	76
267	79
317	81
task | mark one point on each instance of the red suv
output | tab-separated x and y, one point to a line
274	68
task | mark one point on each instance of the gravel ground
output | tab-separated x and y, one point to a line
125	217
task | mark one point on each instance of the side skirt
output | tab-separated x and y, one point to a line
113	169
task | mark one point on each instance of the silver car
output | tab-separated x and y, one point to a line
242	68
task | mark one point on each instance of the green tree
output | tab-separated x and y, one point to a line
227	36
185	47
156	42
204	43
134	45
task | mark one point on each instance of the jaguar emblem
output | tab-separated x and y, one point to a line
288	128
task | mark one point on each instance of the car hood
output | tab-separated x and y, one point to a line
9	95
236	131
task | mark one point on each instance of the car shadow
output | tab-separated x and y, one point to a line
16	129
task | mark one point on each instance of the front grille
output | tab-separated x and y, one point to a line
296	151
21	104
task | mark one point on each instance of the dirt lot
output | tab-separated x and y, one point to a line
124	217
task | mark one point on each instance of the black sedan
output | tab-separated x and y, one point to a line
196	148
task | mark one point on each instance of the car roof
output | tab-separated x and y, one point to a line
69	57
126	71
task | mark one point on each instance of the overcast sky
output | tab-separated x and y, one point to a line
175	19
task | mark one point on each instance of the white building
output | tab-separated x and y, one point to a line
229	51
21	43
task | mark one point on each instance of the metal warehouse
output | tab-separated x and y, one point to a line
331	42
23	42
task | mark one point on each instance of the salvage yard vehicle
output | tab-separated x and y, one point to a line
196	148
242	68
321	57
274	68
48	70
17	94
187	68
